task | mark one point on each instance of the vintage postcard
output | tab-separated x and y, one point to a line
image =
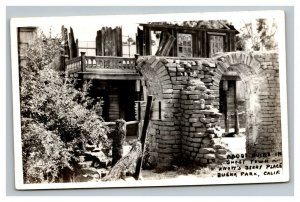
149	100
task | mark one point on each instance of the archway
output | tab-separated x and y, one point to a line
162	134
247	91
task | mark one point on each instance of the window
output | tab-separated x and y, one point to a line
184	45
216	44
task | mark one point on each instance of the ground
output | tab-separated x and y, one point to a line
238	167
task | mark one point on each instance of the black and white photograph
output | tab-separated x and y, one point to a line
149	100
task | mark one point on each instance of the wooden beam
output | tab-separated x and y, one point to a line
147	41
93	75
144	135
83	62
236	115
226	119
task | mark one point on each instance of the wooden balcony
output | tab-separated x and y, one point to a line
102	67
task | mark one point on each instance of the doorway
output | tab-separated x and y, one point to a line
231	108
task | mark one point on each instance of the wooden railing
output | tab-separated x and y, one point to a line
73	65
109	62
89	63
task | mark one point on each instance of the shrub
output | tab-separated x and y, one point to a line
56	119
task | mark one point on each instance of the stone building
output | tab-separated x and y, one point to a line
191	90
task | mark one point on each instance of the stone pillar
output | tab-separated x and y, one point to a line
201	133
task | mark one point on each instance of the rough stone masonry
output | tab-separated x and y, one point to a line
190	89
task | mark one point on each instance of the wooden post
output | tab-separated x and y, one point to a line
72	44
144	135
77	48
225	87
64	58
159	110
118	141
136	56
139	111
236	115
83	62
237	125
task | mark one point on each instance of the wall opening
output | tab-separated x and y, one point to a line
117	100
231	108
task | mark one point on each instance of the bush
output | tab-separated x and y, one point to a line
56	119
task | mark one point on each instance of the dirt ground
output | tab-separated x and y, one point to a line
236	167
236	144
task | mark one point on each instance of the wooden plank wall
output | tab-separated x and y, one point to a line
72	45
114	110
109	42
139	42
147	41
99	43
65	42
25	36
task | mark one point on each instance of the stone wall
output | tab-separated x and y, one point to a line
200	125
190	90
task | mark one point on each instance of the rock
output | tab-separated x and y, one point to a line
206	140
211	130
221	151
213	166
197	140
204	120
193	120
197	124
208	107
216	141
90	147
211	136
221	156
200	87
209	156
204	161
194	97
219	146
190	88
218	134
209	125
87	174
206	150
98	159
200	135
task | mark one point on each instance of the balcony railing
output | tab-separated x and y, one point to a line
91	63
73	65
109	62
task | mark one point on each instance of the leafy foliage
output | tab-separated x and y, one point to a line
56	118
240	44
260	36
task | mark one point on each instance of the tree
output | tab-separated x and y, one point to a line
240	43
56	119
262	37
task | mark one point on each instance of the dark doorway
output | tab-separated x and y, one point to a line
228	103
118	100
